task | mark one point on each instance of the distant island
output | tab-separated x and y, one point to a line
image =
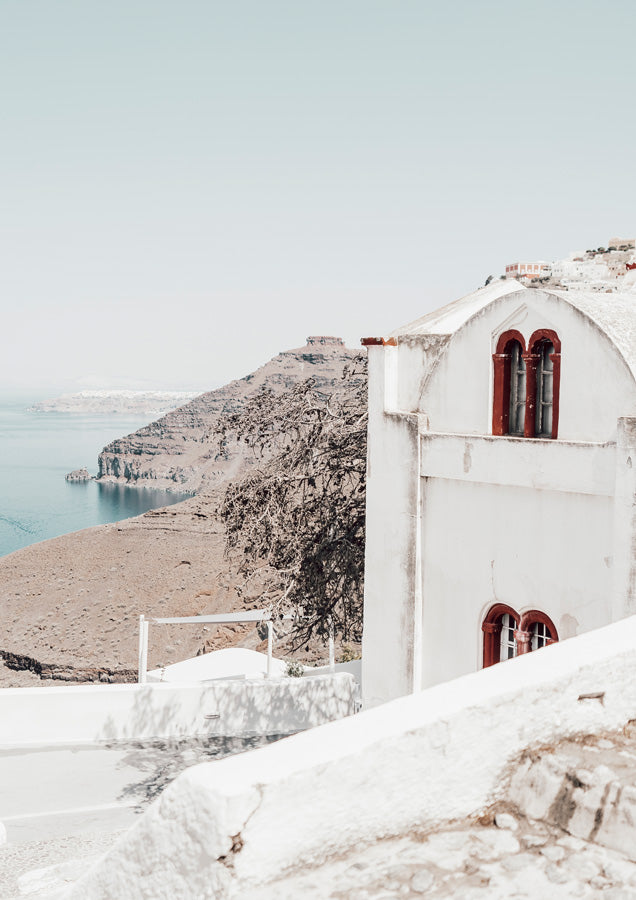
116	402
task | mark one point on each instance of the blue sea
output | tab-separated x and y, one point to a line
37	450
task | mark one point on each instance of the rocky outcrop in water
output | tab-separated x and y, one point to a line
78	475
179	450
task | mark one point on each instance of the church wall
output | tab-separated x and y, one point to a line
454	389
459	519
530	549
392	586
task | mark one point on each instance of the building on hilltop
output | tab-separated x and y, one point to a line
501	482
528	270
621	243
325	339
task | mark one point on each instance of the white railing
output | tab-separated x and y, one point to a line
258	615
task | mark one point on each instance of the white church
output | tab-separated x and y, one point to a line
501	496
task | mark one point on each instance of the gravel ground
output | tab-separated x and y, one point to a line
18	859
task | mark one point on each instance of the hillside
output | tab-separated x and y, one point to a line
178	451
604	269
72	604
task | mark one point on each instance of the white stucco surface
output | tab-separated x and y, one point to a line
469	569
224	829
228	663
459	519
88	713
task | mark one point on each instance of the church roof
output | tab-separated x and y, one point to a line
614	313
448	319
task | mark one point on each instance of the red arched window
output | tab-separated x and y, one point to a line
536	630
509	395
526	384
499	629
507	634
543	367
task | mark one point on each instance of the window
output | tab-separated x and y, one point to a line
510	384
517	411
526	385
499	634
539	629
507	646
544	354
540	635
507	634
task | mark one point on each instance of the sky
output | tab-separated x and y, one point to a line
189	187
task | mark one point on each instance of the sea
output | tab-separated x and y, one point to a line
37	449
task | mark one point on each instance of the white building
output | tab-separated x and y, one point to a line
528	270
501	498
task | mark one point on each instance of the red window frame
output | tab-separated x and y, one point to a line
491	627
528	619
532	362
501	396
501	393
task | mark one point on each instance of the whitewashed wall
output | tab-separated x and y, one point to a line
89	713
458	519
415	763
391	648
596	384
530	549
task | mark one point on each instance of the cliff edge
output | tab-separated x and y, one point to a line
179	451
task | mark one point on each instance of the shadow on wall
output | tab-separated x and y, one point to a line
276	707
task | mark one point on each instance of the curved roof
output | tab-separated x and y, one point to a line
613	313
448	319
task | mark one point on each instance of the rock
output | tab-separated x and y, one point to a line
78	475
554	853
505	820
619	870
448	850
493	843
580	866
422	881
518	861
556	875
534	840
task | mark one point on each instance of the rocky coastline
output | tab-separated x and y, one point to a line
179	452
72	604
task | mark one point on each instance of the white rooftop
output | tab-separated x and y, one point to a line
614	313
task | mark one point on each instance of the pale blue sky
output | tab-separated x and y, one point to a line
189	187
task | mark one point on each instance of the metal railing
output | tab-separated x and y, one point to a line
258	615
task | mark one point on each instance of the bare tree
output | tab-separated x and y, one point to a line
295	521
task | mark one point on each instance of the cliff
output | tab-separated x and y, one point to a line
179	451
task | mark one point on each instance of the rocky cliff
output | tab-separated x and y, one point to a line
179	450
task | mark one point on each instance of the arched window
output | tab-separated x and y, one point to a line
536	630
507	634
545	389
507	645
499	634
526	385
509	398
517	403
